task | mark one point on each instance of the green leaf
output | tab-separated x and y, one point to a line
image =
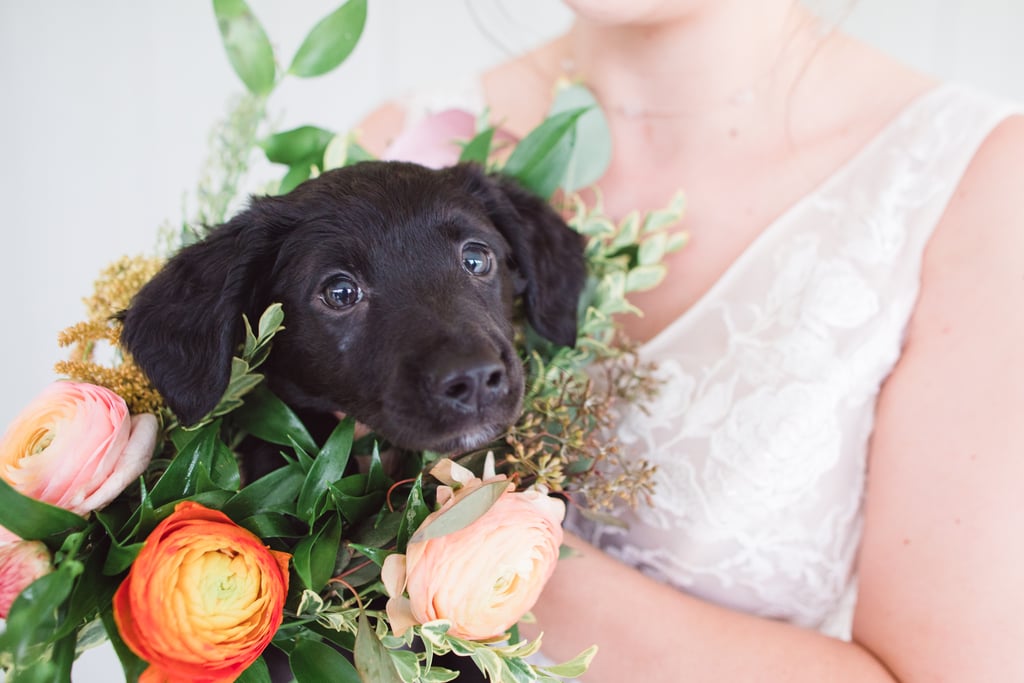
416	510
652	250
540	160
313	661
592	151
296	175
677	241
64	656
266	417
273	492
258	672
271	322
351	501
645	277
463	513
376	479
132	664
302	145
575	667
331	41
489	662
328	467
246	43
91	594
315	555
373	660
629	231
32	519
120	557
33	618
376	555
188	472
273	525
478	149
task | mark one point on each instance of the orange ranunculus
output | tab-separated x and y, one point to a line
484	577
203	598
21	563
75	446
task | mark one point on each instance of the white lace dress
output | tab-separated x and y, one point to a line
760	432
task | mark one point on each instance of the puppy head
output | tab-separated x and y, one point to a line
398	285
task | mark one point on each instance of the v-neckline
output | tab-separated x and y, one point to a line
786	216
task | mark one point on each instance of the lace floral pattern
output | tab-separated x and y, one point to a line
760	432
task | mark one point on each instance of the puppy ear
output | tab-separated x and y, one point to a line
183	327
548	253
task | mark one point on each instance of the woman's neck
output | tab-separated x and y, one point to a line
697	65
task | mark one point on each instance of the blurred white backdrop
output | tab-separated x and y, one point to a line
107	107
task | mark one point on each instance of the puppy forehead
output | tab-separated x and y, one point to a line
364	234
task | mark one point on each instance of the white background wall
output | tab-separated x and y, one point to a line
106	105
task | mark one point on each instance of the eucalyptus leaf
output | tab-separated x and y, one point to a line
592	152
32	519
373	660
331	41
463	513
540	160
313	661
247	45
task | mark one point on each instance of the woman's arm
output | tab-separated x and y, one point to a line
647	631
942	596
941	592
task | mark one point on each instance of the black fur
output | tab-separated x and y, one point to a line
425	358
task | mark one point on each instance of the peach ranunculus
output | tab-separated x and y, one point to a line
484	577
75	446
21	563
203	599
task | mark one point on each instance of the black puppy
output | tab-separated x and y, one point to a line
398	284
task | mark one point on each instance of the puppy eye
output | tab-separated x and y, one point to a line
342	292
476	259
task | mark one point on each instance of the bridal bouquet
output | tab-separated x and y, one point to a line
117	523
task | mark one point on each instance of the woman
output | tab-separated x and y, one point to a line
842	342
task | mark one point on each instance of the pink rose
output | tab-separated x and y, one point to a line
484	577
75	446
21	563
436	141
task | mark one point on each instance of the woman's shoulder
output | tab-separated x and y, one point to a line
981	233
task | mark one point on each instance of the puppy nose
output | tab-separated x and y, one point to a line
473	386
